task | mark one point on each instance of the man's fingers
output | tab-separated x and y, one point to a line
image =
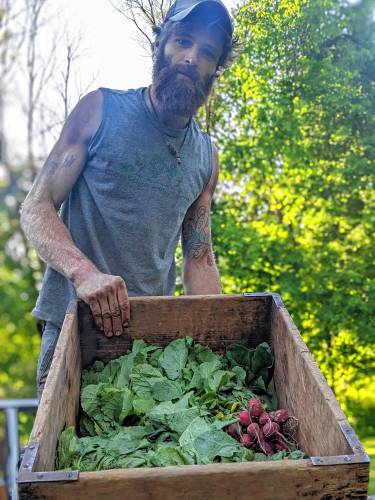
115	313
107	317
97	313
123	301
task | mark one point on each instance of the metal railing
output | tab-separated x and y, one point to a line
11	408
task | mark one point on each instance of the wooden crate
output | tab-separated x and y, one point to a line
337	468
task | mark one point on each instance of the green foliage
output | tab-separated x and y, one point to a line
294	120
369	444
169	409
19	273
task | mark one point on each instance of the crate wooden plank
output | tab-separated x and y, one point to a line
283	480
59	403
216	320
303	390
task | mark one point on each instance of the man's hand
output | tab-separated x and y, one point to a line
108	299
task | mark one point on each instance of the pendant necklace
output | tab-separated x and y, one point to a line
176	153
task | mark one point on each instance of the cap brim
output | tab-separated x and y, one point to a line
184	13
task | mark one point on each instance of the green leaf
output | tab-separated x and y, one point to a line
214	443
239	355
142	406
165	390
296	455
143	378
171	455
196	427
174	358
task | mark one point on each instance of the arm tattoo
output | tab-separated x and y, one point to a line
52	165
196	234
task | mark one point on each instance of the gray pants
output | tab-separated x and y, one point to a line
50	335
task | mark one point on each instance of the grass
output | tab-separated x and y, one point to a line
369	444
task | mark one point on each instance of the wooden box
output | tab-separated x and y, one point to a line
337	468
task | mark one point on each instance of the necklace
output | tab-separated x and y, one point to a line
171	147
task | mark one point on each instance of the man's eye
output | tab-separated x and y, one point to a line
208	54
183	42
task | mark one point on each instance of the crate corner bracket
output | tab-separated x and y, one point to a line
26	474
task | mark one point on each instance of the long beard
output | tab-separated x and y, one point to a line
176	94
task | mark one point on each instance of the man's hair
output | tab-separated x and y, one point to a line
168	28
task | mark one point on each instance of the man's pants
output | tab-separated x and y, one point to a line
50	334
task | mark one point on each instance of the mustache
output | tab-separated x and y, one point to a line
170	73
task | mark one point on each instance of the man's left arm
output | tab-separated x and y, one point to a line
200	275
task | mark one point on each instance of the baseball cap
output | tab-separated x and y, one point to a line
180	9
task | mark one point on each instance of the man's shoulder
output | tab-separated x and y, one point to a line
120	92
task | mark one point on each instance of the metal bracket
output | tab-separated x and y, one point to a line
26	474
275	297
351	438
360	458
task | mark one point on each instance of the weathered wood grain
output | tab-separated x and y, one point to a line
283	480
303	390
216	320
60	399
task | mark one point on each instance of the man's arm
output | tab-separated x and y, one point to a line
199	272
106	294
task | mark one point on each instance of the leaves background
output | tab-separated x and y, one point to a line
293	119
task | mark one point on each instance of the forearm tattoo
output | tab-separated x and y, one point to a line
52	165
196	235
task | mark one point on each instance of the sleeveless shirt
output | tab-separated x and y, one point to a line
126	209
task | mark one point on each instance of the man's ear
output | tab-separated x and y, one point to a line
155	48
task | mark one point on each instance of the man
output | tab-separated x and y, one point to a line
131	172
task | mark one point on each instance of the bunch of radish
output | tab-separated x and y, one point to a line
262	431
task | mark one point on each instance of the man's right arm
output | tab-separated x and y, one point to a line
106	294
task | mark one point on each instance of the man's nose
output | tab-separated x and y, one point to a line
191	57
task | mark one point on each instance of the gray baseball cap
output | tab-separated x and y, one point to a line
180	9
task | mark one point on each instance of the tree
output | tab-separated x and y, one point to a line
294	119
24	66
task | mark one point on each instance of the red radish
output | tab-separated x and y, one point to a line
253	429
264	418
246	440
257	433
255	407
280	445
271	429
281	416
232	431
269	448
244	418
272	415
262	441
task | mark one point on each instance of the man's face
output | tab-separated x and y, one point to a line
185	67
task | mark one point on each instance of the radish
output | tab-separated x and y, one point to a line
255	407
269	448
281	416
253	429
280	445
264	418
271	429
232	430
262	441
246	440
244	418
272	415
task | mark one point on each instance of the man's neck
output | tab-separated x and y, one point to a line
166	118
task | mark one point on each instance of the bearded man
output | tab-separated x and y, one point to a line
132	173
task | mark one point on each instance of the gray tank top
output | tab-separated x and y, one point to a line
126	210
